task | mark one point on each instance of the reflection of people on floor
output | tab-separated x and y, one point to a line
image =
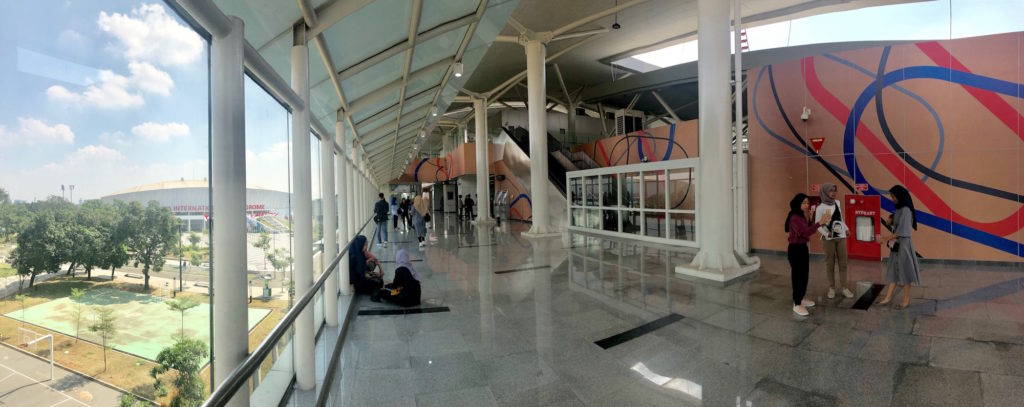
404	290
361	267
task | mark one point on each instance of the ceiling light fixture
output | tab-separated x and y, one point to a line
433	111
458	69
615	25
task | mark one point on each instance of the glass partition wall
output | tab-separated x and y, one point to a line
651	201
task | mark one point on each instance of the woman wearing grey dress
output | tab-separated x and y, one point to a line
904	268
419	212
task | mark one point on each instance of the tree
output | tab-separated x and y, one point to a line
279	260
5	198
154	234
196	258
13	219
76	297
182	305
115	246
263	243
194	239
128	400
105	327
40	247
186	357
96	232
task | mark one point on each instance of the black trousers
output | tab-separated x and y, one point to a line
394	221
799	263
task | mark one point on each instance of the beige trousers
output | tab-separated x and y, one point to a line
835	251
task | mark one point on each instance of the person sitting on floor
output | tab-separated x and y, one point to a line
362	264
404	290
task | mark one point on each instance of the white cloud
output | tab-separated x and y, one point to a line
72	40
32	130
149	33
113	91
268	168
116	137
160	133
94	155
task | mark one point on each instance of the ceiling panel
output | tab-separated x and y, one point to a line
383	103
264	19
370	30
437	12
437	48
374	77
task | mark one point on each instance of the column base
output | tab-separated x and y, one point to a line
530	235
724	274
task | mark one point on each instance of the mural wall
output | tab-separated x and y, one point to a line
658	144
943	118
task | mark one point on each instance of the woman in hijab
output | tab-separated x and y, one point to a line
800	231
833	239
404	290
419	213
361	265
903	268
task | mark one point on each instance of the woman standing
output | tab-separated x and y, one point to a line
419	212
903	268
800	231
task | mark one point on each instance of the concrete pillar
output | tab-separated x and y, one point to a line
716	259
344	217
537	100
483	195
227	153
302	206
330	214
350	196
742	203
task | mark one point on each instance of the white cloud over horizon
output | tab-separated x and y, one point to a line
32	130
113	91
150	34
161	133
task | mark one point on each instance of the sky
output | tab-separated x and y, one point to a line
930	20
107	95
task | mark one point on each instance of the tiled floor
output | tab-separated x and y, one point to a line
526	335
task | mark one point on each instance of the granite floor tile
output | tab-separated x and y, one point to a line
477	396
896	347
999	390
784	331
924	386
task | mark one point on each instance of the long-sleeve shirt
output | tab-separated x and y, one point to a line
800	231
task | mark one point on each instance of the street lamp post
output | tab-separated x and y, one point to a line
181	262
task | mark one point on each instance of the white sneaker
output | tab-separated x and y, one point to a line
385	245
422	244
847	293
831	293
807	303
800	310
378	245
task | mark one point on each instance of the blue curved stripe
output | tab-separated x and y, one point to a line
671	142
912	95
521	196
938	73
416	174
640	146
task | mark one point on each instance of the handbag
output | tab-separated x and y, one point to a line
426	218
893	245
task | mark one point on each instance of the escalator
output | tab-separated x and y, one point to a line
556	167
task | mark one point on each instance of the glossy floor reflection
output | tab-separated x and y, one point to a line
525	315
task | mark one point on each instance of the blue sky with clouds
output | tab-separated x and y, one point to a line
106	95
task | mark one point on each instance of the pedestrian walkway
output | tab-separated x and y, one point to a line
606	322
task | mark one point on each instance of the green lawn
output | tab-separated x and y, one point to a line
6	270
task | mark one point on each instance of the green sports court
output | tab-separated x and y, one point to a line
145	323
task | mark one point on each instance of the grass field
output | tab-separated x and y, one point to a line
6	270
145	324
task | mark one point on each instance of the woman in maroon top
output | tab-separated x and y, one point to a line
800	231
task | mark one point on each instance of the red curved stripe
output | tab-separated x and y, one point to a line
992	101
896	166
600	148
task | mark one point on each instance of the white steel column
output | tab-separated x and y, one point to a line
716	259
350	195
537	100
742	200
303	208
227	178
344	225
330	213
483	196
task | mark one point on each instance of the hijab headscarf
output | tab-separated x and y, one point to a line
794	208
823	192
357	259
903	199
402	260
420	205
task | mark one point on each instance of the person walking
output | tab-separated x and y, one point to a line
833	238
800	231
469	207
904	268
458	204
419	214
394	212
380	217
403	214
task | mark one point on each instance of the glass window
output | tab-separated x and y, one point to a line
654	189
609	190
591	190
654	224
318	212
631	222
577	218
681	189
683	226
576	191
610	220
631	190
594	218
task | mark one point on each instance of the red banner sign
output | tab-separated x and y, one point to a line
817	142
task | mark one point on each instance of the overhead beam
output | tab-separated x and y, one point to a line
417	12
379	93
334	12
594	17
665	105
518	77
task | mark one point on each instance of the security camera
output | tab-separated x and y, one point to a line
806	114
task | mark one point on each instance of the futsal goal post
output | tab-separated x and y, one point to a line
30	339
